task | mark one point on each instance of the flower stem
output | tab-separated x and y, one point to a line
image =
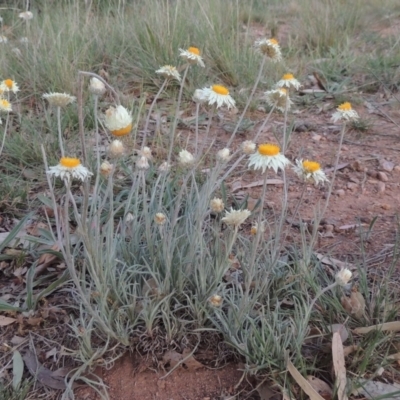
264	123
248	101
175	123
197	127
4	134
60	141
146	125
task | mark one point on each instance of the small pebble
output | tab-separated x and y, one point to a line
352	186
382	176
397	168
381	187
386	165
385	206
340	192
316	138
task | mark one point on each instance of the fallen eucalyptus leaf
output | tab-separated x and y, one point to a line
387	326
302	382
339	366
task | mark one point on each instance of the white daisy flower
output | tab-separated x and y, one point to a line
192	56
5	105
118	120
310	171
269	48
186	158
70	168
236	217
106	168
343	276
116	148
219	95
199	96
278	97
59	99
160	219
345	112
97	87
143	163
268	156
146	152
223	155
248	147
26	15
288	81
168	71
164	167
217	205
8	85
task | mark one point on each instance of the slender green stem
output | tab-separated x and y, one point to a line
153	103
285	136
248	101
197	127
264	123
210	117
175	123
259	231
300	200
60	140
330	287
317	220
4	134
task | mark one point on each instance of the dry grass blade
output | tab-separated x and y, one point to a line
387	326
303	383
339	365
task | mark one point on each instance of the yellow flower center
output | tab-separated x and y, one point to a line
284	91
69	162
253	230
9	83
288	77
220	90
122	131
268	149
273	41
311	166
194	50
5	103
345	106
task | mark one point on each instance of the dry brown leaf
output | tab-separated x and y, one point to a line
355	304
350	349
302	382
237	185
42	374
333	262
321	387
395	356
387	326
4	321
339	366
47	259
174	359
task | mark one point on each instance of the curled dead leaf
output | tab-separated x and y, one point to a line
354	305
321	387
